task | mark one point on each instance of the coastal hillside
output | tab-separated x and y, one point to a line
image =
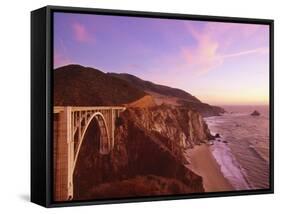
204	109
76	85
156	88
167	95
144	102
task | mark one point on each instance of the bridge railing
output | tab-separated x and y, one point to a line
58	109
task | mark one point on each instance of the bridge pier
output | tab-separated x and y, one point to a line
63	152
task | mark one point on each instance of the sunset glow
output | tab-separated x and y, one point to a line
220	63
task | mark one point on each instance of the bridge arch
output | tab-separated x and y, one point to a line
104	147
70	132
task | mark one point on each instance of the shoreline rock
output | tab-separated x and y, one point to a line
217	135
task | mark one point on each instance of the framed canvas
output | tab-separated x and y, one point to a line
131	106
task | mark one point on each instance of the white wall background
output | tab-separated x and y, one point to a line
15	105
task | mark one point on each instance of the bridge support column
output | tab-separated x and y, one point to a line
63	161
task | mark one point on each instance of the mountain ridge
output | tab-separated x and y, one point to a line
154	87
76	85
169	95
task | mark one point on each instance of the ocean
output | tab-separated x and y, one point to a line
242	151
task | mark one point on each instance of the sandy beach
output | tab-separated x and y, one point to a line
203	163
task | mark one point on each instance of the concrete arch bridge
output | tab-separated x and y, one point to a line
70	126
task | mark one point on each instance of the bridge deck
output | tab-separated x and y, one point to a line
58	109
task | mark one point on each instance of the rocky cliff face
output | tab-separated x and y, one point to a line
182	127
148	156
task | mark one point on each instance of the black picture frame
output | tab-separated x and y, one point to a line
42	106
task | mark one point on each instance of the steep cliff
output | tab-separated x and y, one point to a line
180	126
148	156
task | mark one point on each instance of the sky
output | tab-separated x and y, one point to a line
219	63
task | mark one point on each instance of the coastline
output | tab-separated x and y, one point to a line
204	164
244	159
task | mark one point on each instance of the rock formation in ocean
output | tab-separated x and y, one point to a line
255	113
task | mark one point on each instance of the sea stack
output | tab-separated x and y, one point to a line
255	113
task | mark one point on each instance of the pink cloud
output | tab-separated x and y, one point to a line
80	32
213	43
204	56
